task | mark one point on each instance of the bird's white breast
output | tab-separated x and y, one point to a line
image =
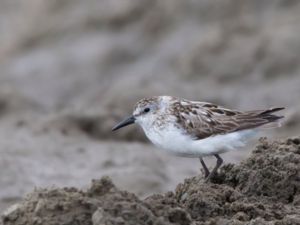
175	141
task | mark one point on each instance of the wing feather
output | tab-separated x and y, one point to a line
202	120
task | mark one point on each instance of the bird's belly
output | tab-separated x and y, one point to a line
174	141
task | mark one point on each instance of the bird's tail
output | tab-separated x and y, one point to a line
272	121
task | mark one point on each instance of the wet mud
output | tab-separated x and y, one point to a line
263	189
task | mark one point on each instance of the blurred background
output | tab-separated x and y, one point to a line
71	69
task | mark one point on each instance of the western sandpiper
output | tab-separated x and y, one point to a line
197	129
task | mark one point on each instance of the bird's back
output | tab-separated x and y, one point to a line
201	120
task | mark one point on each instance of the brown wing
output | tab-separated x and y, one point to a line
202	120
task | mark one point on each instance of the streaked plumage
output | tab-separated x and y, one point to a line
197	129
202	120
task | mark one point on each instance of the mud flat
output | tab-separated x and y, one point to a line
263	189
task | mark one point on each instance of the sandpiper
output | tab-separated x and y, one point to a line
197	129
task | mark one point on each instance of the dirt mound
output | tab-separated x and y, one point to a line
264	189
272	171
102	203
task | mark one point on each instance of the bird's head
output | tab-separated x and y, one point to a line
145	113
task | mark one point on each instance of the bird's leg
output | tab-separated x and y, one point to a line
206	171
214	171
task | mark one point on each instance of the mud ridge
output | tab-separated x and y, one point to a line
263	189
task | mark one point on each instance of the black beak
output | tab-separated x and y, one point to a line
126	122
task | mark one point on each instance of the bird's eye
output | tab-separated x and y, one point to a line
146	110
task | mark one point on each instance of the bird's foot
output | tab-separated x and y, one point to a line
205	173
210	176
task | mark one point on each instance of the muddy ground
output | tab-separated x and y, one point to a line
71	69
263	189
